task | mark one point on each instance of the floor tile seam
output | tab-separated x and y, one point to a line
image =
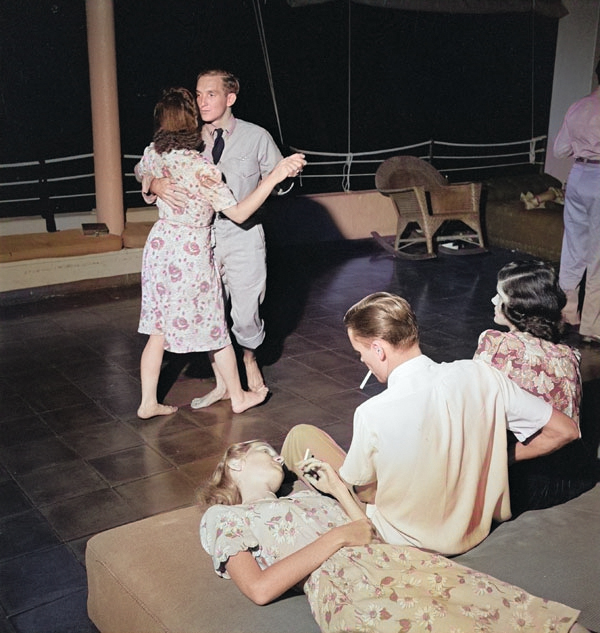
38	506
109	485
42	550
324	371
42	605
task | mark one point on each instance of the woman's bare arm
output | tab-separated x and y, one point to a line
265	585
285	168
323	477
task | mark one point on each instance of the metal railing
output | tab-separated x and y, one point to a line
62	185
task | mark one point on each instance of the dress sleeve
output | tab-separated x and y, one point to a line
500	350
213	188
144	167
486	346
225	532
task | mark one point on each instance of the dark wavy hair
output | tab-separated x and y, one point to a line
534	300
176	122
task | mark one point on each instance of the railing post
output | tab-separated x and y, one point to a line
544	143
45	211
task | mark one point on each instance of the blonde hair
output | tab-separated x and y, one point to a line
230	82
385	316
220	487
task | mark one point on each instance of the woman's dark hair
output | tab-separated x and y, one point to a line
176	122
532	299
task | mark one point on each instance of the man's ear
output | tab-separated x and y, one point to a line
231	99
378	348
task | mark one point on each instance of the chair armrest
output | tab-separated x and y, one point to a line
389	192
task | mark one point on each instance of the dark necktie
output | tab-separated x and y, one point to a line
217	149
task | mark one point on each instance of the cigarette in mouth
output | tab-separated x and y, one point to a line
307	454
365	379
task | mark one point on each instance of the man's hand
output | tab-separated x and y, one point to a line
174	195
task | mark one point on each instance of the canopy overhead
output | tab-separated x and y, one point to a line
549	8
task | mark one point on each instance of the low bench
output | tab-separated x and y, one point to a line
153	575
25	246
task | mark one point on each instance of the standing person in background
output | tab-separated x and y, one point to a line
245	153
579	136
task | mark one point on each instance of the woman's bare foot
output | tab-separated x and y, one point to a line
147	412
254	376
250	399
218	393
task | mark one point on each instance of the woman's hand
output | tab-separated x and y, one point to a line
356	533
321	475
289	167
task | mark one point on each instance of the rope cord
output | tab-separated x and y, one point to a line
348	165
532	153
265	51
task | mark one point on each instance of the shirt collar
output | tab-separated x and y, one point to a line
408	368
227	131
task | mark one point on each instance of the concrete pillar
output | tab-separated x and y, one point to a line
577	52
102	61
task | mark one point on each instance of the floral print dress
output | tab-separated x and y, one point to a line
545	369
379	587
181	289
550	371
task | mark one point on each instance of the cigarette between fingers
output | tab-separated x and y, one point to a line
364	382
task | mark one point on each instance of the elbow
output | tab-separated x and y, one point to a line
261	601
573	433
260	596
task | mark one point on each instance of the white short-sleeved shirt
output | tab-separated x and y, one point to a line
435	442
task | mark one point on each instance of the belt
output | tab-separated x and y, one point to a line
591	161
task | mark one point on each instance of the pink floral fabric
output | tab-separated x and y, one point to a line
181	289
545	369
379	587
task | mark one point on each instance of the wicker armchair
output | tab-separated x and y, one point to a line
423	196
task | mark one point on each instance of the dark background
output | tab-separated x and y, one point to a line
414	76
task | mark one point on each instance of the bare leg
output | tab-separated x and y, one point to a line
218	393
149	372
255	378
225	364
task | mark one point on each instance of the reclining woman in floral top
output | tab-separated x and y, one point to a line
268	545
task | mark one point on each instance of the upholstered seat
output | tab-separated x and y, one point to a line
424	197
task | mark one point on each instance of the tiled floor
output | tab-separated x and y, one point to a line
75	460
